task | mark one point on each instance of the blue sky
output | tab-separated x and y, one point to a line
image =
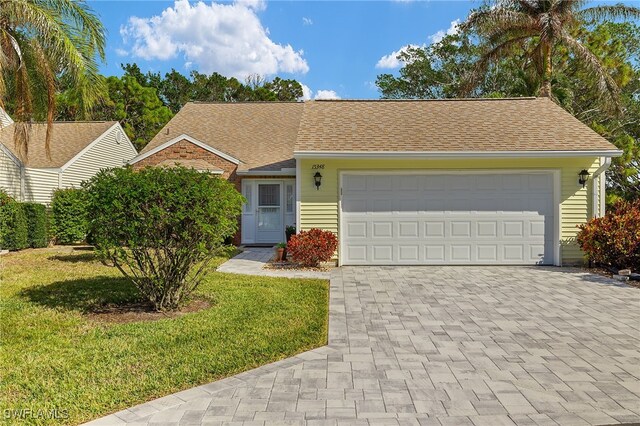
335	48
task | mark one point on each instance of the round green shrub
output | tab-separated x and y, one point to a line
161	226
69	215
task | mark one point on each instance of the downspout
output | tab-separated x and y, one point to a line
23	176
597	209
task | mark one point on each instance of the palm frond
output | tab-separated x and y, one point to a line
618	11
491	55
606	86
499	16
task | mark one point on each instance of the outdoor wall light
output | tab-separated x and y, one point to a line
317	179
584	176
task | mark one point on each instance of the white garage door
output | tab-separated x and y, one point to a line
445	219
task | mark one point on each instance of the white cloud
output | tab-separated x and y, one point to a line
391	60
121	52
306	21
326	94
224	37
307	93
454	28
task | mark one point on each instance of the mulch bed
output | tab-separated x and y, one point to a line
286	265
142	311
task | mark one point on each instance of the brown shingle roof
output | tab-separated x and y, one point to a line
264	135
259	134
68	139
522	124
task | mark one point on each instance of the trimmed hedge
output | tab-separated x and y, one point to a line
13	226
69	215
37	224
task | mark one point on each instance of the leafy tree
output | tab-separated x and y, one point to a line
538	28
161	226
42	42
284	90
439	70
138	109
175	90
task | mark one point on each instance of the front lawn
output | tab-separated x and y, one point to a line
56	353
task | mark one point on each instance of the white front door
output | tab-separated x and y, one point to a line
447	218
269	221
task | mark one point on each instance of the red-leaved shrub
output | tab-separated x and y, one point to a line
614	239
312	247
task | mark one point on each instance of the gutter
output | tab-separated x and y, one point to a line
453	154
598	209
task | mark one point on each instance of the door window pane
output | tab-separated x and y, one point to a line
289	197
269	194
246	191
269	219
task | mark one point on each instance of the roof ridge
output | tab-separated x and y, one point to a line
522	98
242	102
73	122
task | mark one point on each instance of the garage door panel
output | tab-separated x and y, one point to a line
487	253
460	253
433	229
382	253
460	229
434	253
409	253
447	219
408	229
382	229
356	230
486	229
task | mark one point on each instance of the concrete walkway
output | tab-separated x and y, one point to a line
442	346
253	259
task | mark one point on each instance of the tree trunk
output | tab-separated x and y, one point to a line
545	89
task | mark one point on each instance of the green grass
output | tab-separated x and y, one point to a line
54	356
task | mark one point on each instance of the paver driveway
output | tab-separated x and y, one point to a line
443	345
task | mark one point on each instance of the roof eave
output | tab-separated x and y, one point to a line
455	154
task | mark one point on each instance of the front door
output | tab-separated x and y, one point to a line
269	223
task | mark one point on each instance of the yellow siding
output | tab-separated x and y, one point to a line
319	208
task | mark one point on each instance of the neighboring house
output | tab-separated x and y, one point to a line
488	181
78	150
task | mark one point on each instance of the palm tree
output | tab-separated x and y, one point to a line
41	43
538	28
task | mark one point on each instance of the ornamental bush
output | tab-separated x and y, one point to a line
614	239
13	224
311	247
69	215
37	224
161	226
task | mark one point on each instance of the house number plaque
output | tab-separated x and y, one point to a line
317	167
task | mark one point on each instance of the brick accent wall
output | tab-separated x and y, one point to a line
185	150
